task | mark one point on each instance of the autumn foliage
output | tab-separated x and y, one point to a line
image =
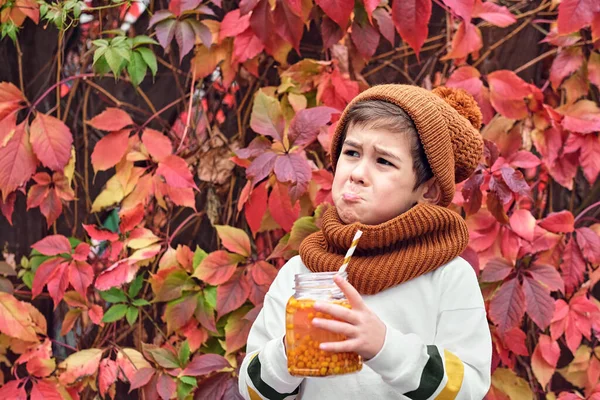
246	158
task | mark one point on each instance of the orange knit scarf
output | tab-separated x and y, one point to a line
412	244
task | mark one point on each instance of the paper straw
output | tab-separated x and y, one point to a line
350	251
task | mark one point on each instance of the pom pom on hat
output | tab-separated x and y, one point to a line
463	102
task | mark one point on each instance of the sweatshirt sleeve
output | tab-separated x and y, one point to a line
457	364
264	373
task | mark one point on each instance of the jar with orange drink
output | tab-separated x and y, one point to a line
303	339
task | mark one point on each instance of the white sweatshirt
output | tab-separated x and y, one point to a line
437	345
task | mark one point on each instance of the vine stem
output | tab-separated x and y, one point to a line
181	225
581	214
189	116
51	88
66	346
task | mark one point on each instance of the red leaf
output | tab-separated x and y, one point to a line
117	274
589	243
37	194
462	8
335	90
466	41
111	119
288	25
575	14
540	306
508	305
17	161
7	207
45	390
469	78
507	94
281	207
411	18
493	13
165	31
51	207
165	386
176	172
96	314
100	234
237	329
213	387
515	340
495	206
256	207
234	239
257	146
293	168
515	181
246	46
524	159
11	99
217	267
306	124
496	269
58	282
523	223
582	117
371	6
107	375
365	38
567	61
262	166
385	24
559	222
573	266
337	10
548	275
331	32
178	312
81	275
232	295
51	141
141	378
549	349
590	157
263	273
233	24
558	323
53	245
204	364
11	390
110	150
541	368
130	218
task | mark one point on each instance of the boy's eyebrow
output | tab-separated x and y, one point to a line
380	150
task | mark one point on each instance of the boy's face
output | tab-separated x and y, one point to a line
374	177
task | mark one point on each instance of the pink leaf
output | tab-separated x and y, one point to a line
365	38
158	145
141	377
411	18
17	161
204	364
508	305
116	275
111	119
53	245
496	269
81	275
559	222
176	172
548	275
466	41
589	243
523	223
566	62
100	234
573	266
493	13
51	141
233	24
165	386
575	14
293	168
462	8
385	24
540	306
107	375
262	166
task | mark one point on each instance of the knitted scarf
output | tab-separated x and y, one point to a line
418	241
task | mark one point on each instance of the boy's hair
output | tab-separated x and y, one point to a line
379	114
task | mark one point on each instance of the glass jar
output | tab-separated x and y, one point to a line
303	339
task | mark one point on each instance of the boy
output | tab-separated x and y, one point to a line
418	317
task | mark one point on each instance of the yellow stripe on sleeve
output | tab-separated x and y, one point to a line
253	394
455	370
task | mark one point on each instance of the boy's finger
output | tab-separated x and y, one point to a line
337	311
339	347
350	292
334	326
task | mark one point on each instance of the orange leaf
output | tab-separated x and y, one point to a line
466	41
110	150
234	239
10	99
15	320
111	119
51	141
158	145
17	161
217	267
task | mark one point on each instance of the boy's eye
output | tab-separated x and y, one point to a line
351	153
384	162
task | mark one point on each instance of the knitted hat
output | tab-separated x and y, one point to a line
448	122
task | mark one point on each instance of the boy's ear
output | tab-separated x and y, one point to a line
430	192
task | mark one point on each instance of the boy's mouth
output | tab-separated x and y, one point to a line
351	197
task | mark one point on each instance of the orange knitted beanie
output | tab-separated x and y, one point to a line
447	121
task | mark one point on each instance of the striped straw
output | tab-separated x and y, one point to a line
350	251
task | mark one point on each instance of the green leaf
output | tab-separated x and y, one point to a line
124	52
74	242
100	43
132	315
143	39
36	261
101	67
189	380
136	285
140	302
199	255
28	279
210	295
149	58
164	357
115	313
114	295
114	60
136	68
183	390
118	40
184	353
100	51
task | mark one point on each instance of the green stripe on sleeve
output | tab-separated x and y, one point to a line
432	376
263	388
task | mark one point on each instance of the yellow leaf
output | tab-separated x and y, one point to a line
145	253
79	365
15	320
69	170
142	237
576	371
143	189
515	387
130	361
112	194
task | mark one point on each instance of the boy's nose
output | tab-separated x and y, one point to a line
358	174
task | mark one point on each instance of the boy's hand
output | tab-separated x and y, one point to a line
364	330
